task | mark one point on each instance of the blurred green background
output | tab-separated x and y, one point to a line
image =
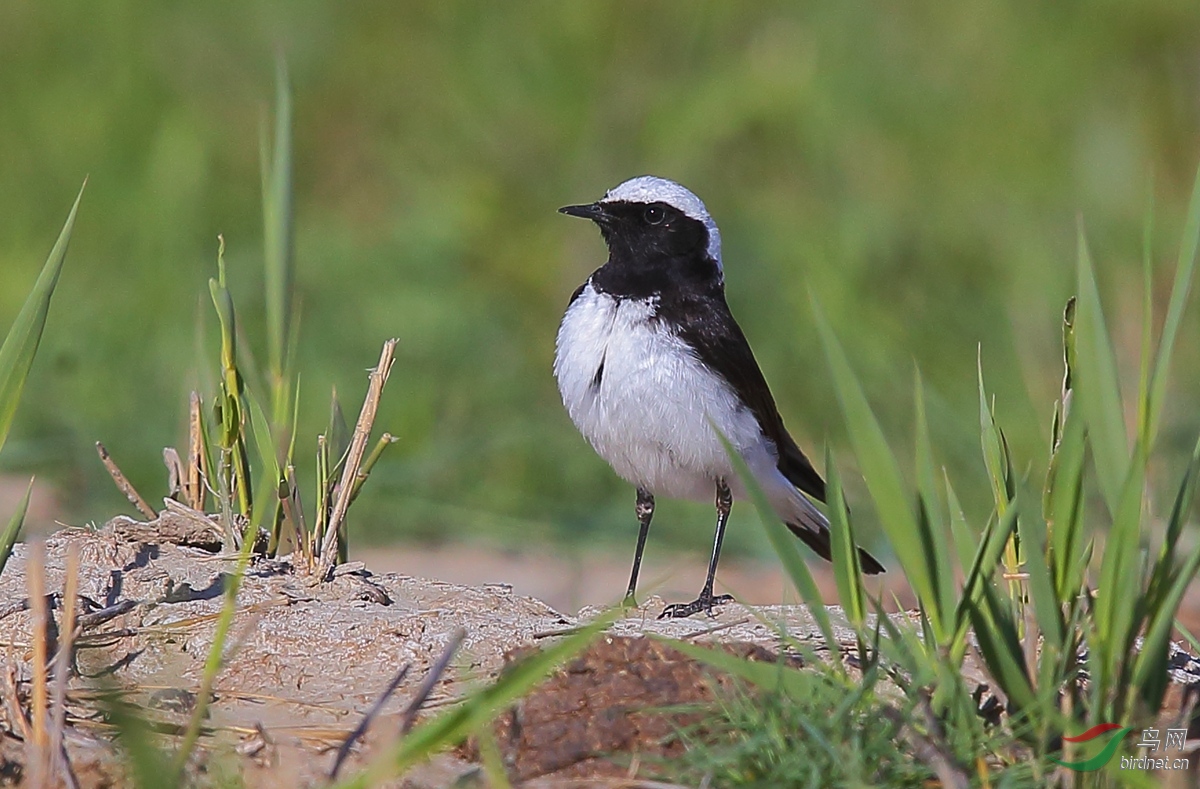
920	168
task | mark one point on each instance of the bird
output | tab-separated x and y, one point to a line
651	365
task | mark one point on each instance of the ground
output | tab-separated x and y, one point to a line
307	660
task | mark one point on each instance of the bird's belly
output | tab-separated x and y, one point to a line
645	402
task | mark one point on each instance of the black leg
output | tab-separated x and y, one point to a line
706	601
645	511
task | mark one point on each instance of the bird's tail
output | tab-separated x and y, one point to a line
802	516
812	528
819	542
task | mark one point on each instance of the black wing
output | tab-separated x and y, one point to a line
706	324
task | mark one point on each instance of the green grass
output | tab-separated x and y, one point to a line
237	439
1050	601
17	353
834	735
917	173
916	168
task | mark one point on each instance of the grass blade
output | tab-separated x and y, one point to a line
1146	368
267	505
476	710
1120	576
147	764
278	241
1164	567
768	677
1097	387
1062	406
998	461
215	659
983	567
784	543
338	432
235	471
932	515
1165	594
1001	648
882	475
1064	496
21	343
995	448
1041	588
965	542
847	570
1150	675
13	530
1179	293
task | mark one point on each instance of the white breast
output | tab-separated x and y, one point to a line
643	400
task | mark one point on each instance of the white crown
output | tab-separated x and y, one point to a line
652	189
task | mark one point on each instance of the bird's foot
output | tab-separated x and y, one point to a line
705	603
629	602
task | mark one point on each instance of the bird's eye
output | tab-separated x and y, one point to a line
654	215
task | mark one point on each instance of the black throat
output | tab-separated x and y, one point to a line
668	260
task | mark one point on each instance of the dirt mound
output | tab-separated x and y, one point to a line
306	660
617	704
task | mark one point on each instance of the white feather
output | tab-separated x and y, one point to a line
649	417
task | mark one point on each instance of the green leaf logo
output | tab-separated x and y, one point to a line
1102	758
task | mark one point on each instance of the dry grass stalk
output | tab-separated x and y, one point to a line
293	513
431	679
354	458
322	513
35	580
123	484
365	723
197	518
12	704
932	750
63	661
197	460
174	472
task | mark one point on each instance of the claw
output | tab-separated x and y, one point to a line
705	603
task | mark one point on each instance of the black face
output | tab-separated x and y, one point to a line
651	246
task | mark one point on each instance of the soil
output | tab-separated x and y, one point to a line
307	660
619	704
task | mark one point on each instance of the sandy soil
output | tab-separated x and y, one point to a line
306	660
569	583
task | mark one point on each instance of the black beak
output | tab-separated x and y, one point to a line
592	211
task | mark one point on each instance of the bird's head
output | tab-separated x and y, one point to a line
649	218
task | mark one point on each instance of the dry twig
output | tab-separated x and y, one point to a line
174	472
365	723
354	458
12	703
35	579
123	484
431	679
97	618
62	665
196	468
293	512
932	749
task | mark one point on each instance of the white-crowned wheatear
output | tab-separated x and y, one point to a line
649	359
